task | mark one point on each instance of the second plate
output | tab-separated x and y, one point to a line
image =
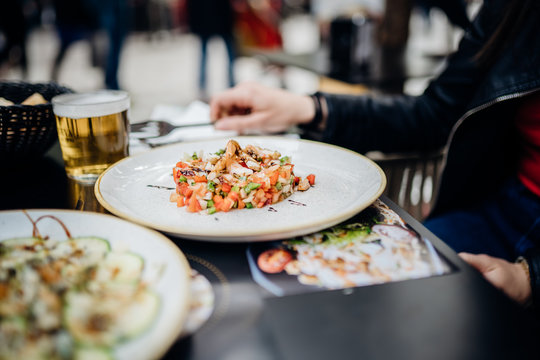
138	189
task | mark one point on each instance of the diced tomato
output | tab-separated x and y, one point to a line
181	164
193	204
274	178
311	179
185	190
217	200
199	178
175	175
241	204
243	164
296	180
226	187
268	195
227	204
180	201
233	195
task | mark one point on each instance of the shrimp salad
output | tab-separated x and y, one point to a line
235	178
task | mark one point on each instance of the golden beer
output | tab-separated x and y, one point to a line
93	130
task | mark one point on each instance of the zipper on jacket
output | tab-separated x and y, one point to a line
468	114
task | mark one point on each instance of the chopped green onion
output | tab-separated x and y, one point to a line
182	179
235	188
211	210
223	194
220	151
279	186
251	186
284	160
194	156
249	205
211	186
210	203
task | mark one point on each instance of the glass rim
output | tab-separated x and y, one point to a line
80	105
58	99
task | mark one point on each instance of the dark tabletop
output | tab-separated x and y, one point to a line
453	316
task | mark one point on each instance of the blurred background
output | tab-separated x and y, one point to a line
152	48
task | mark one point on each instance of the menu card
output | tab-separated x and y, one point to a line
374	247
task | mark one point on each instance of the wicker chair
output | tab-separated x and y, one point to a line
412	179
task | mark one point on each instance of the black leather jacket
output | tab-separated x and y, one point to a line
468	108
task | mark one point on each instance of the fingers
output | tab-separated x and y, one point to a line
482	263
237	99
240	123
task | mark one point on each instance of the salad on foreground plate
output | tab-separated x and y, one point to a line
70	299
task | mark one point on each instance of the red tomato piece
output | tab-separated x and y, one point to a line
274	261
226	187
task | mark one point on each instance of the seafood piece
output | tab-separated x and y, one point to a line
224	163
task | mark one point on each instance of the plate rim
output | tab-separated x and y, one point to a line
251	235
171	337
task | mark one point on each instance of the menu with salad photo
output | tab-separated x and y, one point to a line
374	247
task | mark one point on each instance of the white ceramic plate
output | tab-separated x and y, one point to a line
138	189
166	269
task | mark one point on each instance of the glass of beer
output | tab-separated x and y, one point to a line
93	130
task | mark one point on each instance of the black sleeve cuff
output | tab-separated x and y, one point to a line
311	130
533	259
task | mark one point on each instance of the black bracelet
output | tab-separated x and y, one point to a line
317	119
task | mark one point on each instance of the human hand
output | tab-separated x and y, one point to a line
250	106
509	277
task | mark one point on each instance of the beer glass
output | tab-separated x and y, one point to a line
93	130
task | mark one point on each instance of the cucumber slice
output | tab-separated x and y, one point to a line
106	319
16	251
120	267
20	243
84	250
90	319
140	315
92	353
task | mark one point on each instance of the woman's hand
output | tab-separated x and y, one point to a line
509	277
250	106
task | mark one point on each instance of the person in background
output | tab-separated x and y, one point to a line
113	17
14	28
206	19
78	20
75	21
484	109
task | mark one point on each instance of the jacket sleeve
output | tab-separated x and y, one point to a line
533	259
412	123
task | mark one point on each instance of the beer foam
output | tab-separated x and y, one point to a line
92	104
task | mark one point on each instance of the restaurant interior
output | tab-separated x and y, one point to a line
238	310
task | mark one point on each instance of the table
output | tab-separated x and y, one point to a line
454	316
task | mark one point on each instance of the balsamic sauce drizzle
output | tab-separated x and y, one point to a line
161	187
296	203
